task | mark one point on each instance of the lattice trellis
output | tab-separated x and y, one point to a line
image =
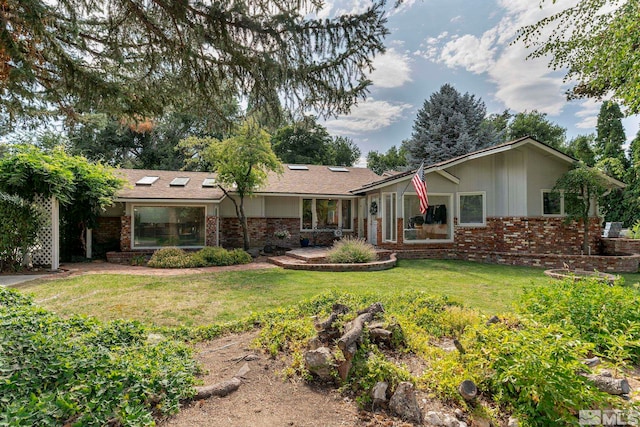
48	237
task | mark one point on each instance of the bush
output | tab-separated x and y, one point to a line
351	250
205	257
607	316
79	371
19	228
214	255
173	258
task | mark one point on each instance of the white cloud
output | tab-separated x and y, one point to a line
403	7
588	114
391	70
456	19
368	116
520	84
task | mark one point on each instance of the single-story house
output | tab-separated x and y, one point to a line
495	200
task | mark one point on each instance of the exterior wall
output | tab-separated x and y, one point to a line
253	207
125	232
211	232
619	246
282	207
517	235
541	178
107	230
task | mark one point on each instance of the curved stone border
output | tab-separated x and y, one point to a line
563	273
316	266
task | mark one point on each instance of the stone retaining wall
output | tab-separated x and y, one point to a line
617	246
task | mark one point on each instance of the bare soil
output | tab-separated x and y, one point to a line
266	398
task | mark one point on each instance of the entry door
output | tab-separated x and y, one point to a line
373	219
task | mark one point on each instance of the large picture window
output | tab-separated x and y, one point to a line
552	203
157	226
433	225
471	208
326	214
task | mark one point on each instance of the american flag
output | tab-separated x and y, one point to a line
421	188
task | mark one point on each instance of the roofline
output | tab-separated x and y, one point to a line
164	200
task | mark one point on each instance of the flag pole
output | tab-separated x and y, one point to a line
407	186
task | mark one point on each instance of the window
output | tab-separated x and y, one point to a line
147	180
326	214
435	224
157	226
552	203
471	208
389	217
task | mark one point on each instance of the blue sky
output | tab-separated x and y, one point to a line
468	44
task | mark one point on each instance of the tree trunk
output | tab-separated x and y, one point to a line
354	332
220	389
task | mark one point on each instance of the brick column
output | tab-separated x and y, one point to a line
210	232
125	233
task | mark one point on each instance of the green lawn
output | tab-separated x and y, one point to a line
209	298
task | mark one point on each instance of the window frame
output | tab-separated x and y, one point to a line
314	219
166	205
484	208
562	211
394	228
450	225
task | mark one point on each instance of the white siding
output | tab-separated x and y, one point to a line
253	207
543	170
282	207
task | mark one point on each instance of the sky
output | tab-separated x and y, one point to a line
468	44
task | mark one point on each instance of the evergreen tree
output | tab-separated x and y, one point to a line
137	57
581	147
537	126
448	125
393	159
610	133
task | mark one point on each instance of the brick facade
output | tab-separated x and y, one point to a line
125	233
511	235
211	238
620	246
261	232
107	229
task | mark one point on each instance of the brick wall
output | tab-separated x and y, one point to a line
618	246
125	233
107	229
210	232
261	232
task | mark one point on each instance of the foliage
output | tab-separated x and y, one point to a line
217	256
607	316
448	125
241	163
138	57
610	134
581	187
581	147
635	230
595	41
308	142
205	257
78	371
537	126
283	234
21	221
351	250
393	159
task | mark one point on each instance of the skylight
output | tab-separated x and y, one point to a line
179	182
209	182
333	169
147	180
298	168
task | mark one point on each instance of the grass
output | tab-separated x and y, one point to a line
209	298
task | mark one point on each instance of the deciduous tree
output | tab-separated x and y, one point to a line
536	125
393	159
596	42
241	163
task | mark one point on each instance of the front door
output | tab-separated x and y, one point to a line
372	226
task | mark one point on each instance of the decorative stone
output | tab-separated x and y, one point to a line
513	422
404	403
433	418
320	362
379	393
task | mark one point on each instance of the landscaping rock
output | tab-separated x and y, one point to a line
379	393
404	403
433	418
513	422
320	362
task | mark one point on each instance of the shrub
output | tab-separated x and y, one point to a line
79	371
173	258
635	230
351	250
607	316
213	255
19	227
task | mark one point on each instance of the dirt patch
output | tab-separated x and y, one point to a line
266	398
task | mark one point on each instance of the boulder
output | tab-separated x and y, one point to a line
404	403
